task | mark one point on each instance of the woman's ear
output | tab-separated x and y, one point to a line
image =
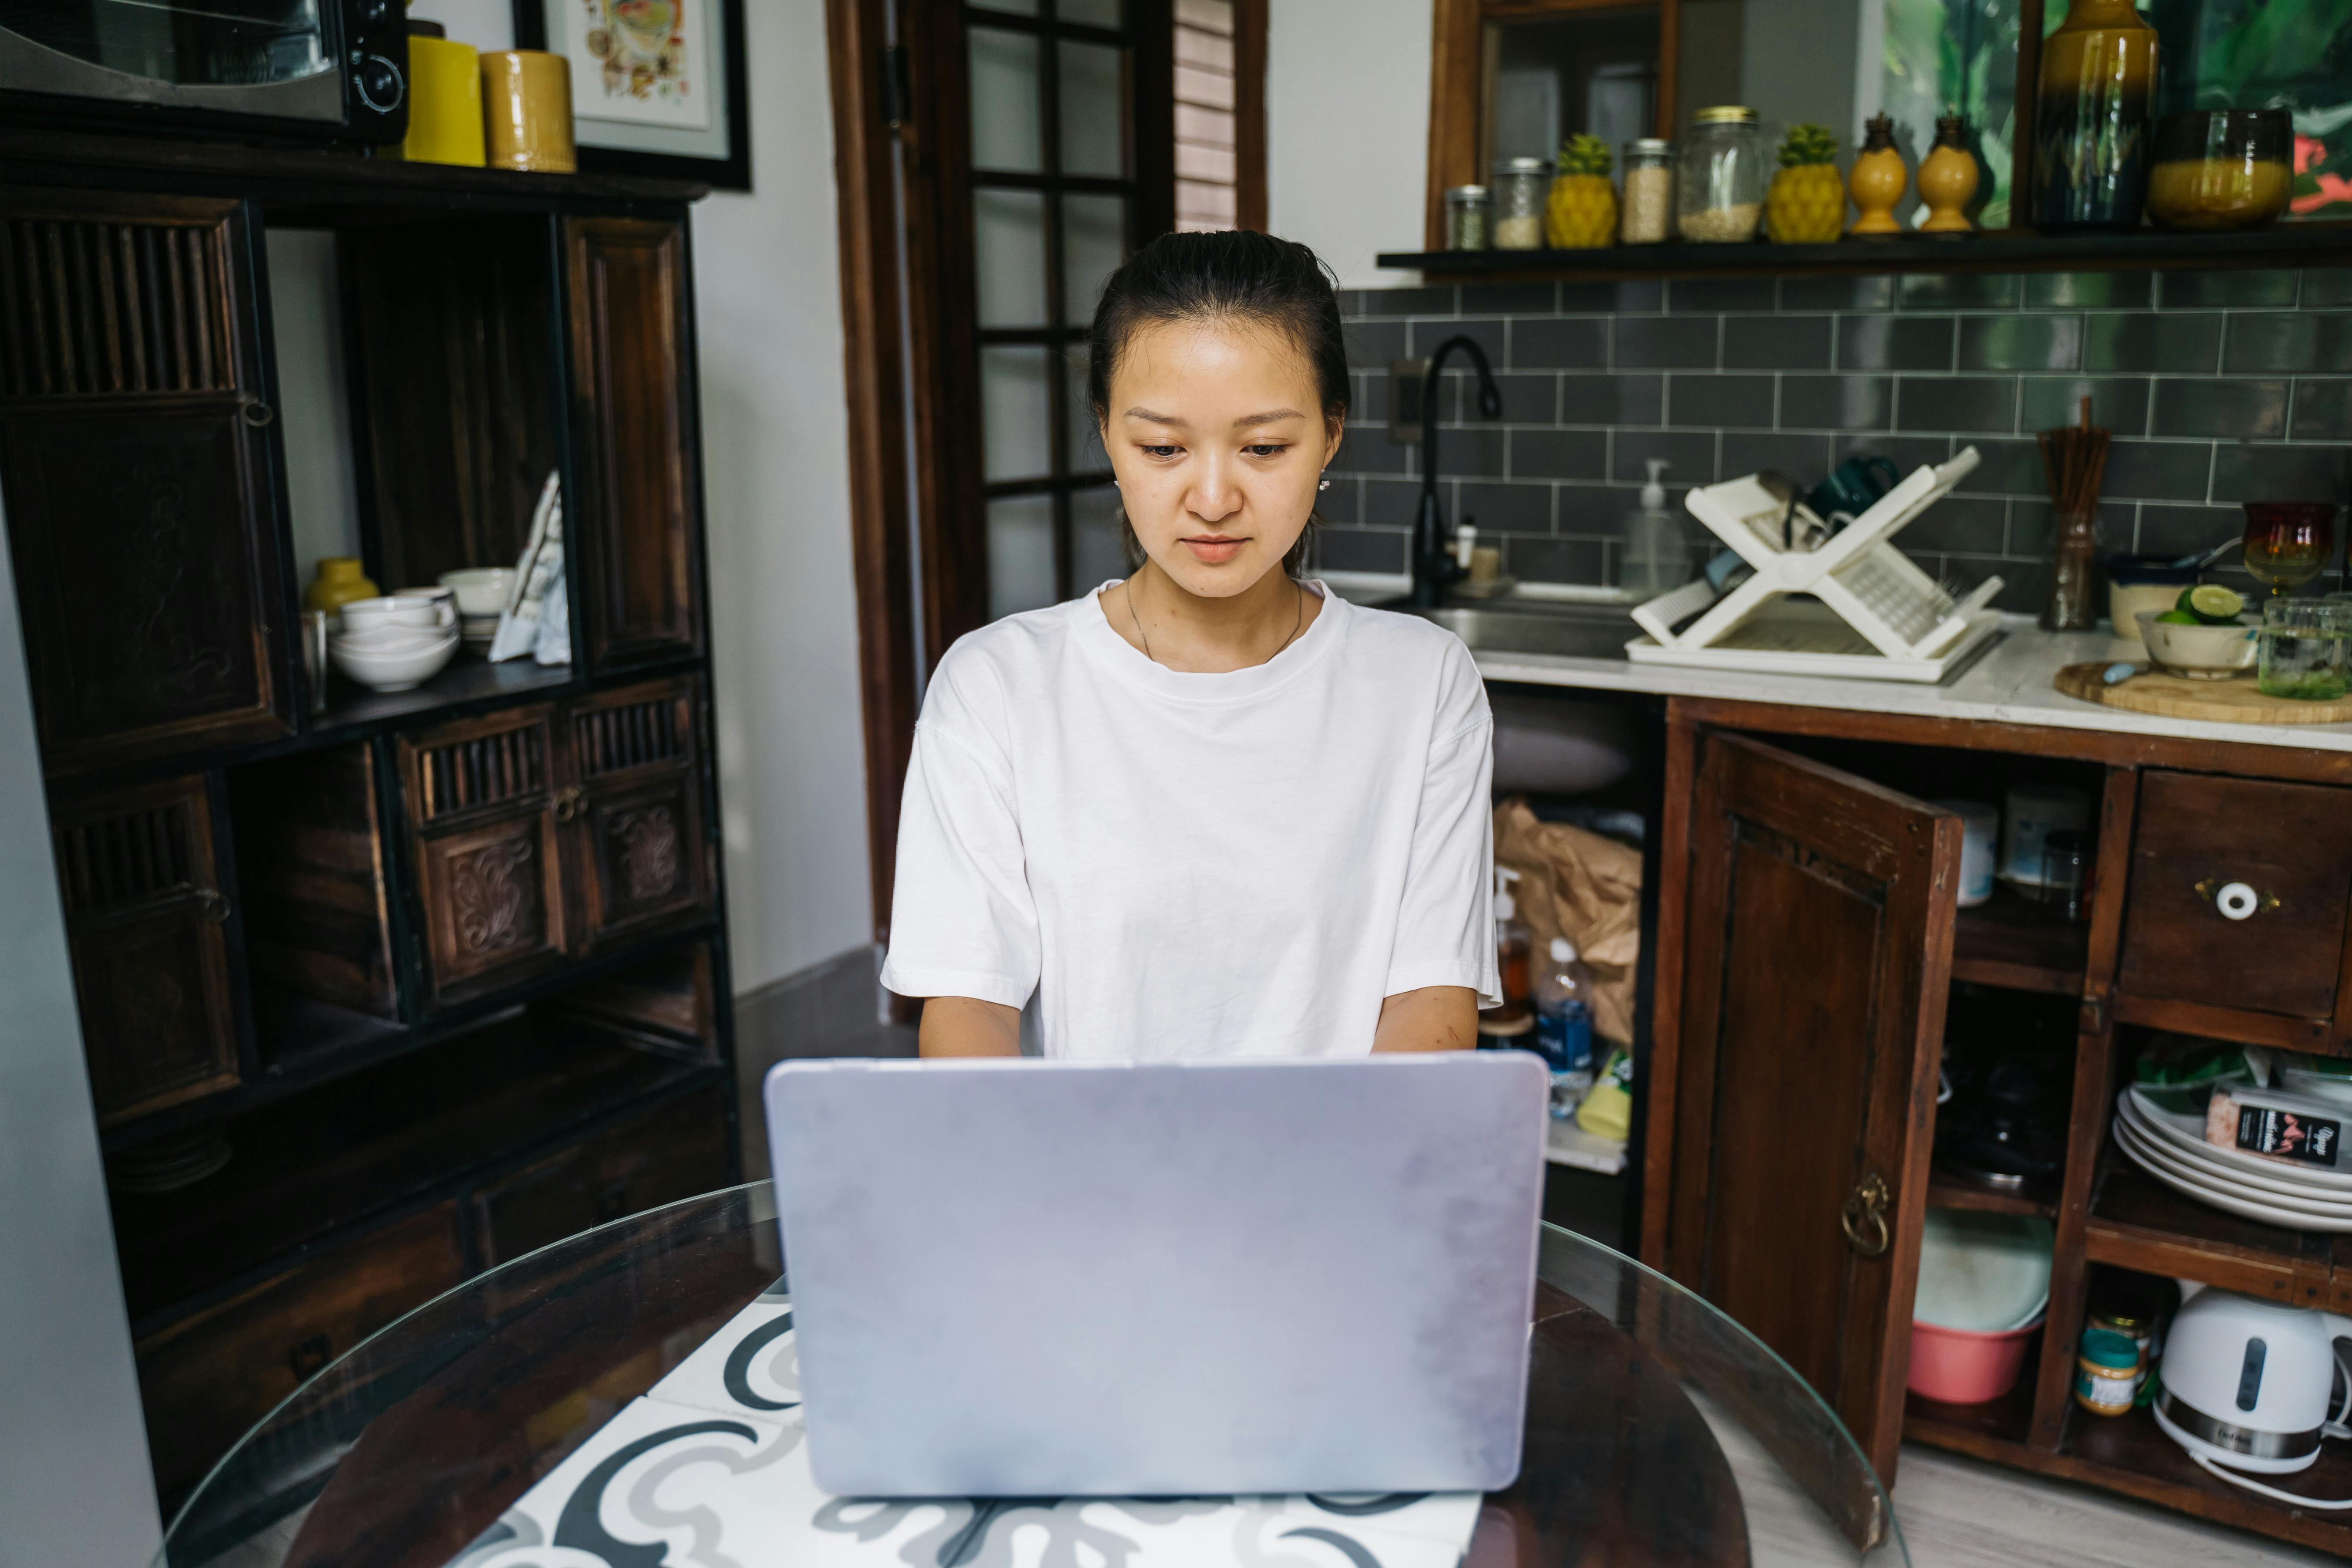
1335	426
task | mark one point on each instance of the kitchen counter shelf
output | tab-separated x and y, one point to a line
2136	1222
2286	244
2015	945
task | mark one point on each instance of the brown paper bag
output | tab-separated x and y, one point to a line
1586	888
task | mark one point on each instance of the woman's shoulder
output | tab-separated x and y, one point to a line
1402	651
1007	655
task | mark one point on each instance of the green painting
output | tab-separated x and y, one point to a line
2268	54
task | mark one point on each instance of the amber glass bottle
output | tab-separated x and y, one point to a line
2092	122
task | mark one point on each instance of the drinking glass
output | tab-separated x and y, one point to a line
2301	652
2288	543
2065	873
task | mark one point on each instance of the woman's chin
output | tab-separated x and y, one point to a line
1207	579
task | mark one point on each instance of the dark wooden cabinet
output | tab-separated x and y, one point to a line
134	462
633	374
666	1155
639	856
147	916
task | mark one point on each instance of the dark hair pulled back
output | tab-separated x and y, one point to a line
1232	274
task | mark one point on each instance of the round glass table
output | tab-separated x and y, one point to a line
500	1423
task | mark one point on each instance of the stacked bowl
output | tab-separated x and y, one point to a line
2170	1146
395	643
1984	1289
482	594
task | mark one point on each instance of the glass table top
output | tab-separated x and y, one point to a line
1658	1430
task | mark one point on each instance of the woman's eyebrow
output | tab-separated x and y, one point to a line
1155	418
1270	418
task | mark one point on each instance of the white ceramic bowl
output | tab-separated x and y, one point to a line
2199	653
392	664
480	590
403	612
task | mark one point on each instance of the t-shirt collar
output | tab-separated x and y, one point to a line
1103	642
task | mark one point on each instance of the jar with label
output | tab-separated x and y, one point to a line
1521	187
1467	210
2106	1372
2140	1331
1719	177
1646	214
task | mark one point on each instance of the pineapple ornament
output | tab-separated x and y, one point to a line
1806	205
1582	212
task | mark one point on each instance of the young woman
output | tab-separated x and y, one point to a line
1213	810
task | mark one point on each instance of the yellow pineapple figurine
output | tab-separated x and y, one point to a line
1581	214
1806	205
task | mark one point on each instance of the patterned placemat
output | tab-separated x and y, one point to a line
708	1470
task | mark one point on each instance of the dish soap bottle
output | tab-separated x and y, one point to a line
1511	946
1656	552
1564	1025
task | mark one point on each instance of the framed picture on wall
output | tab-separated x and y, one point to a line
657	86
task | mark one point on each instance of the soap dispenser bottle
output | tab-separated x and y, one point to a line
1655	556
1512	946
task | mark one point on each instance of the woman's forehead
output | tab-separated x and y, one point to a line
1215	360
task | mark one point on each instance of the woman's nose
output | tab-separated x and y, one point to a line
1214	496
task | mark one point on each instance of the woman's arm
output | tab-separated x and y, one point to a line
963	1026
1434	1018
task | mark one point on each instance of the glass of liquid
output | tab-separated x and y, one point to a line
2288	543
2301	652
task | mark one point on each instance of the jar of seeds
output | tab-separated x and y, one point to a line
1646	213
1720	174
1521	186
1468	209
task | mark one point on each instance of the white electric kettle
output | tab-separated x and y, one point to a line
2245	1383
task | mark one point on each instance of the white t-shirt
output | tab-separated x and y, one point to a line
1187	865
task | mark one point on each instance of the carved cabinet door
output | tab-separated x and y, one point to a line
632	812
134	462
633	521
480	797
146	919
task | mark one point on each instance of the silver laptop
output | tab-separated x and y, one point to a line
1028	1278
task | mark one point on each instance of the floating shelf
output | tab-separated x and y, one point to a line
2015	945
467	680
2285	245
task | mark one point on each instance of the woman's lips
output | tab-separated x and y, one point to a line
1214	550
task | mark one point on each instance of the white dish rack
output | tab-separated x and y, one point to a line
1871	614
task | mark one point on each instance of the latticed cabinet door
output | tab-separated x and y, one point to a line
480	803
135	464
632	811
146	917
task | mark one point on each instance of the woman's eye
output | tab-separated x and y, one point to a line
1160	451
1266	449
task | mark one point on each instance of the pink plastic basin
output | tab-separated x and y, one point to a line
1962	1368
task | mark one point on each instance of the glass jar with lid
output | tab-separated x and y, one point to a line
1646	210
1720	176
1521	187
1468	211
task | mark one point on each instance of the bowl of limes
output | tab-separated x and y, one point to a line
2206	636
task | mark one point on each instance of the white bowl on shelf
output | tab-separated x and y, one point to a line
480	590
392	663
2202	652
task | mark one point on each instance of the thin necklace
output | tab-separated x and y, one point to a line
1144	638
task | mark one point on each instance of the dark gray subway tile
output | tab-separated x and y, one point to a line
1566	343
1488	333
2024	584
2327	286
1837	293
2173	532
1470	452
1957	291
1635	399
1630	295
1894	343
1530	398
2090	291
1668	342
2246	472
1719	400
1361	549
2302	340
1600	510
1555	559
1367	449
1976	523
1392	503
1343	502
1559	454
1367	396
1836	402
1717	296
2242	408
2033	526
1373	344
2117	402
2187	344
1405	302
1804	458
1986	403
2006	468
1504	508
1691	453
1905	452
1510	299
1776	342
1351	302
2021	343
2180	290
2323	410
2157	471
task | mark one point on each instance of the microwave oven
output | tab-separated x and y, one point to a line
331	70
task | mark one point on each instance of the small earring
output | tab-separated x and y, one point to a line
1322	484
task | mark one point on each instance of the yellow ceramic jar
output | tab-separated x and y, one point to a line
445	100
339	582
2221	168
1876	181
1948	179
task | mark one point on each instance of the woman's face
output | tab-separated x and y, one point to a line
1217	436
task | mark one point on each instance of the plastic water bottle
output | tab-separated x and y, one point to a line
1563	998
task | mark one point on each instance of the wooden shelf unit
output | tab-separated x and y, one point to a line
2016	944
1946	1193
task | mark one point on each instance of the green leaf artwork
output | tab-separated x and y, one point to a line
2295	55
1956	57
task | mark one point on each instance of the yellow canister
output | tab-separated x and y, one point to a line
526	111
444	102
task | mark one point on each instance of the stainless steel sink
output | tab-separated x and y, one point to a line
1571	630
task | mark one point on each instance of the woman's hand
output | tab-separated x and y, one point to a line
964	1027
1434	1018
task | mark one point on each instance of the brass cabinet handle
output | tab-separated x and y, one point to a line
214	904
1864	1217
567	804
256	413
2235	900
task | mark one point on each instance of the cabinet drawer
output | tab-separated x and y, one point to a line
2291	844
208	1378
673	1153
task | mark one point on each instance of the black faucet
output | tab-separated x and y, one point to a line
1434	569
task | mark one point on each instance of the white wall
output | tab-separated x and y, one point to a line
1347	130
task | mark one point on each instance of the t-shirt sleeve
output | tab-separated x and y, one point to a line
962	922
1445	931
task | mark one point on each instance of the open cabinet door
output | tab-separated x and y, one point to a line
1818	950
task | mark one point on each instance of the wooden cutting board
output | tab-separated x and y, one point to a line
2238	701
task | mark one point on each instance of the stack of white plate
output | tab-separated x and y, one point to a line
2171	1147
